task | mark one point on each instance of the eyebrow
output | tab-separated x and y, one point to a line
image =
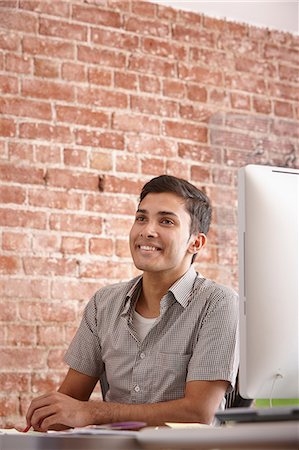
160	213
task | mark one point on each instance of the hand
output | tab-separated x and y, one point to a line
53	410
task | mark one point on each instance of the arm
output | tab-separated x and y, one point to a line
69	406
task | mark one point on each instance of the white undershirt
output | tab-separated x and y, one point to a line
142	324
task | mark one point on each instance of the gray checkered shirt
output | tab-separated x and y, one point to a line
194	338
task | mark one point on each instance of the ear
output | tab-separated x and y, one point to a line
197	242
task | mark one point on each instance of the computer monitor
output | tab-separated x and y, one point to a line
268	244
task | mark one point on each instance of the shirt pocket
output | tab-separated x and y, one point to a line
171	371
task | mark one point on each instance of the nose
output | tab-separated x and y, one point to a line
148	230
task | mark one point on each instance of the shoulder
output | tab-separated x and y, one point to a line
214	294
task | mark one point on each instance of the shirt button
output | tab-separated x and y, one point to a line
137	388
142	355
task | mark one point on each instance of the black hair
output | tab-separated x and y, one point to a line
197	203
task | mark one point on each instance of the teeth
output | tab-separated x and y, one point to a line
147	247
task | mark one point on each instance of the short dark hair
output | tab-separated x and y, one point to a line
197	204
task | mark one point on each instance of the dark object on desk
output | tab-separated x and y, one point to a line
277	413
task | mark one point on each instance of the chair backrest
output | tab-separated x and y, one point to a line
234	399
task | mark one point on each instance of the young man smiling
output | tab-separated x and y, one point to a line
166	340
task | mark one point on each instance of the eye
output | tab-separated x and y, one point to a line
139	219
167	222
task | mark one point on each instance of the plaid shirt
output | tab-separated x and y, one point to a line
194	338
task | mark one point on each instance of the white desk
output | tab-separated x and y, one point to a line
276	435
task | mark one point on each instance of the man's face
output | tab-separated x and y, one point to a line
160	236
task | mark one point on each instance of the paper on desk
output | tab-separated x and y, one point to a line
187	425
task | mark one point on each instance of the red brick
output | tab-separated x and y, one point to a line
30	175
262	105
149	105
110	58
46	382
27	219
75	157
48	89
59	312
178	169
200	75
224	176
9	405
23	359
102	98
9	381
135	122
185	131
50	335
95	15
285	128
101	246
121	185
21	335
127	163
9	265
122	248
196	93
45	47
145	26
149	84
284	91
72	245
114	39
55	359
45	132
8	84
57	8
75	290
198	113
151	145
76	223
55	199
20	152
82	116
25	108
194	35
9	40
72	179
201	174
152	65
46	68
199	153
8	310
18	64
279	53
240	101
73	72
120	5
283	109
263	68
164	48
125	80
7	127
12	194
45	243
105	269
49	154
101	161
143	8
213	23
248	122
153	166
64	30
15	241
98	139
174	88
18	20
106	203
288	73
225	138
99	76
245	82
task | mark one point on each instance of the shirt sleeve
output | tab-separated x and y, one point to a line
84	353
216	352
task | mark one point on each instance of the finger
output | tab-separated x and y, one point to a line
39	402
40	415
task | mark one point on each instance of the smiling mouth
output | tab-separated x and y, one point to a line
149	248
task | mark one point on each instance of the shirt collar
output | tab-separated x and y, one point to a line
181	289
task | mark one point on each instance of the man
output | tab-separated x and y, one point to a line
166	340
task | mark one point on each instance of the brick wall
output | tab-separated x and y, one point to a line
97	97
